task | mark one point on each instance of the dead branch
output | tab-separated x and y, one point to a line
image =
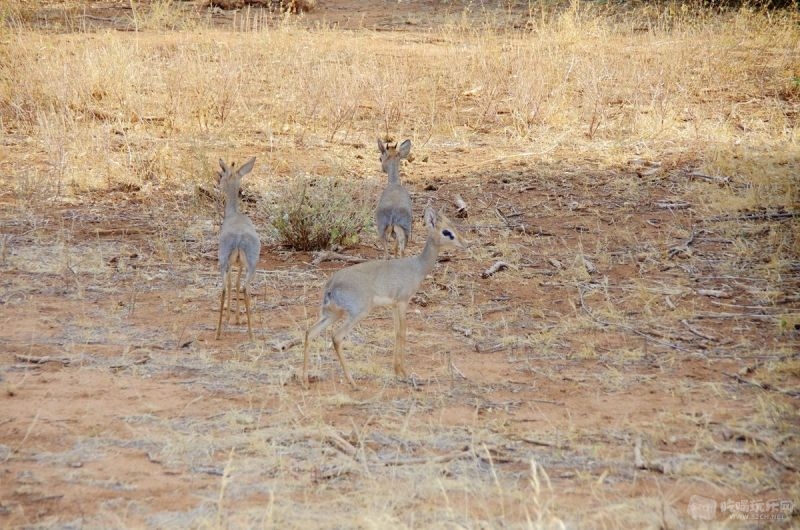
763	386
715	293
535	400
682	250
788	465
428	460
489	346
590	267
291	343
651	336
512	225
768	446
548	401
41	360
341	444
640	463
754	316
755	216
498	266
461	207
542	443
348	449
453	369
676	205
329	255
467	332
719	180
698	332
144	359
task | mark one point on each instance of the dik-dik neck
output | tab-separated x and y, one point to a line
427	260
231	205
392	169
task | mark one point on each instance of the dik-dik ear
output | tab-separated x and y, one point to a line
246	168
404	149
224	171
381	147
429	217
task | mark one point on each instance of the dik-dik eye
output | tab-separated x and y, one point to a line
448	234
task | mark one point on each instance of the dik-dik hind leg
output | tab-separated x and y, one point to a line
399	242
229	290
222	305
339	336
237	294
387	232
246	294
324	321
385	249
399	315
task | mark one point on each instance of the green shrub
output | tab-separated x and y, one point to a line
317	213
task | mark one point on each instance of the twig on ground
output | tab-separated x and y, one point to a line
291	343
548	401
697	332
341	444
427	460
718	180
715	293
461	207
673	205
542	443
763	386
682	249
640	462
755	316
41	360
498	266
652	336
513	225
767	443
755	216
330	255
454	371
348	449
144	359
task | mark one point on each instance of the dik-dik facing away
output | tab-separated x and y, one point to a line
239	244
352	292
393	215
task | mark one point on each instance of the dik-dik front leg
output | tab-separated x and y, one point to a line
399	338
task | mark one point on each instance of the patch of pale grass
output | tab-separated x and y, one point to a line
604	91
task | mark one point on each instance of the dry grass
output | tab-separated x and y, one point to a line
139	109
636	168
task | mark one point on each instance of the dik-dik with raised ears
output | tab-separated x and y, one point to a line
352	292
393	215
239	244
